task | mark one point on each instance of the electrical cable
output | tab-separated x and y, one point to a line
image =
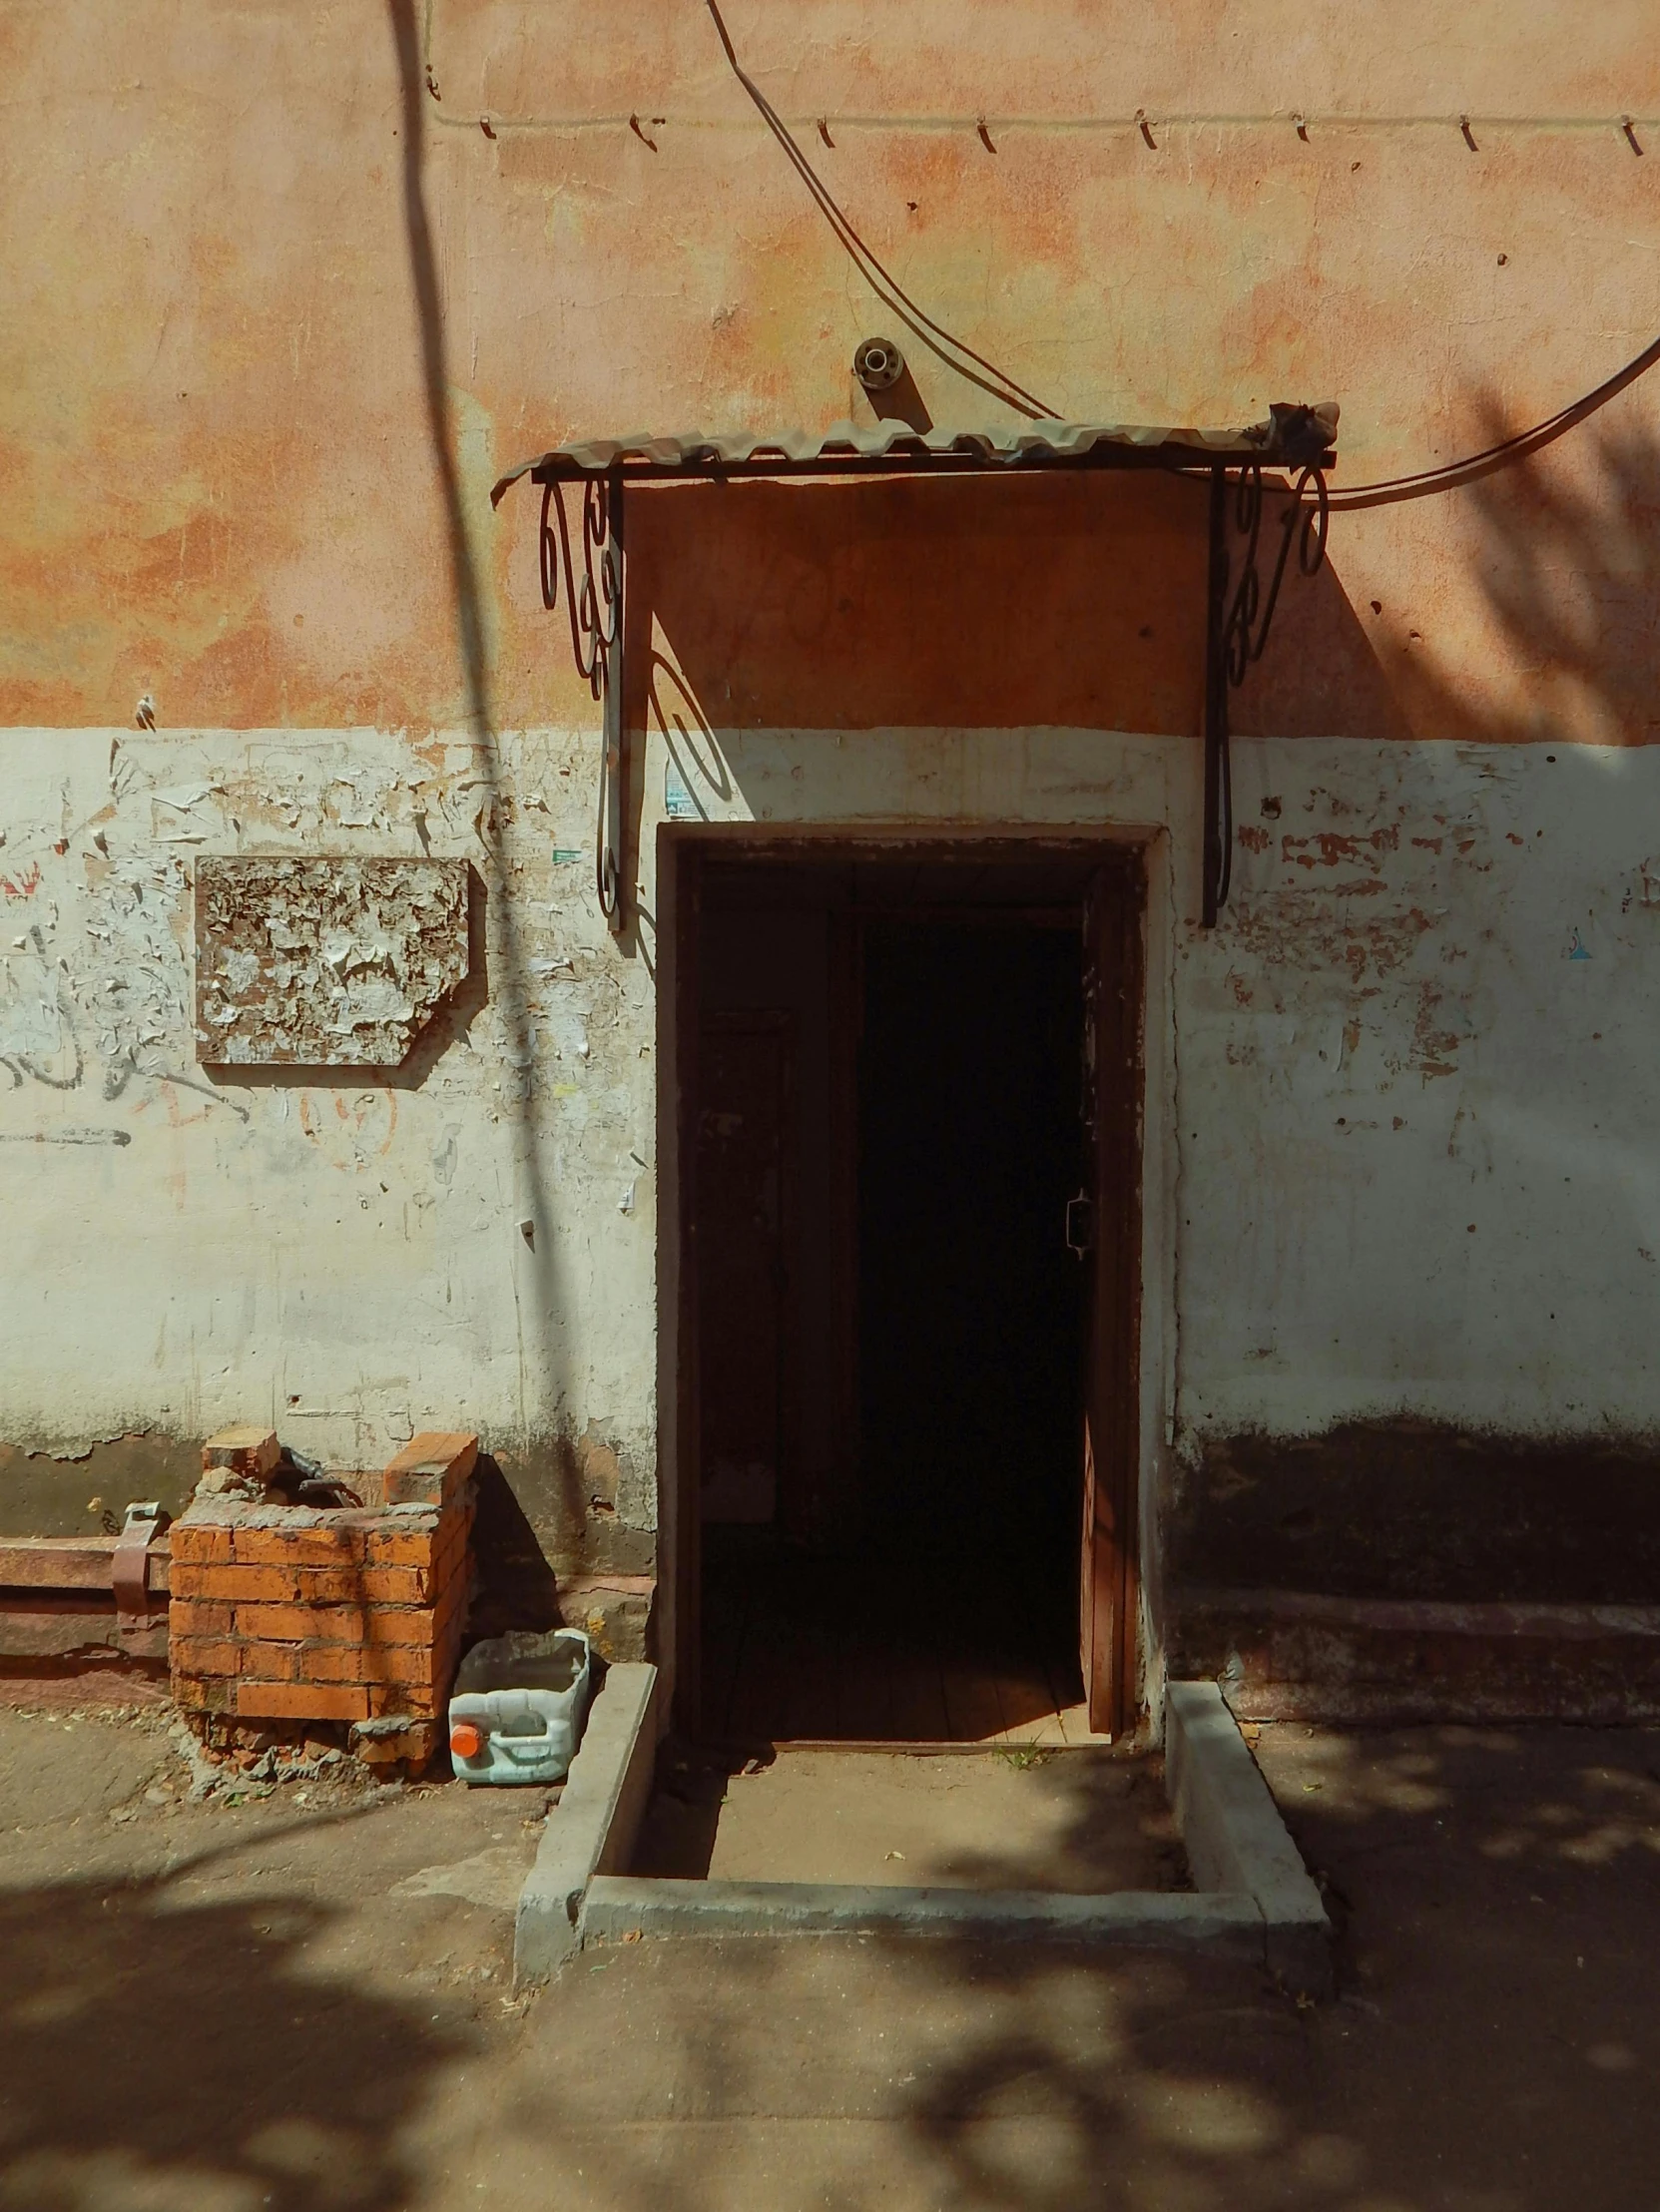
1452	474
885	286
1387	491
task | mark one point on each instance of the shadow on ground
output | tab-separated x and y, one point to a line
285	2019
1493	2048
157	2052
1014	1817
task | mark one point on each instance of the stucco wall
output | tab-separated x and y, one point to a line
1400	1120
279	308
264	265
470	1241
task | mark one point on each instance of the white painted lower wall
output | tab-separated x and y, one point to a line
1433	1001
343	1259
1402	1150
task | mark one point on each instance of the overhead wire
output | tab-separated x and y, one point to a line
942	343
1387	491
1452	474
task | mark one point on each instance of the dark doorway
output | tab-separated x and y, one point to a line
888	1126
969	1301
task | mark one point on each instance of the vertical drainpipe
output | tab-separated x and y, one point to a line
1217	837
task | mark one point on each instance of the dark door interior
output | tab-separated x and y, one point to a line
969	1301
896	1337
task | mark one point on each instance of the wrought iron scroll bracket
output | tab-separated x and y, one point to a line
1237	629
593	596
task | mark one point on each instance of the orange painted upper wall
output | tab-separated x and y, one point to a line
279	310
1072	601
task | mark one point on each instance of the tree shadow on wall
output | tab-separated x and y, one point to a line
1077	602
1565	549
169	2052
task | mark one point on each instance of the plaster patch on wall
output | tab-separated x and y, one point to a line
324	962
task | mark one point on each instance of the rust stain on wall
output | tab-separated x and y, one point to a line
324	962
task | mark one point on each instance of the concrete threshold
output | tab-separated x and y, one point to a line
593	1827
1251	1893
619	1908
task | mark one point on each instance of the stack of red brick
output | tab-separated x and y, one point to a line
294	1613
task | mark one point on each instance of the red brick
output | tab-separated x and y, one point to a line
403	1624
402	1547
450	1542
321	1547
382	1663
244	1583
405	1663
414	1663
400	1697
333	1624
302	1585
201	1655
330	1586
248	1450
447	1572
401	1663
301	1701
271	1662
188	1616
417	1743
199	1543
396	1585
430	1468
332	1663
185	1579
198	1696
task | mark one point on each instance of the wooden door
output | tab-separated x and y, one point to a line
742	1263
1105	1227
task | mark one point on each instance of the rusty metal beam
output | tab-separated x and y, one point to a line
74	1562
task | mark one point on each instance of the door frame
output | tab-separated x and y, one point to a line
1121	1100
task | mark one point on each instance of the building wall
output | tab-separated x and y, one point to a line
282	307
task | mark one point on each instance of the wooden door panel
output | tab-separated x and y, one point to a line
741	1270
1108	1591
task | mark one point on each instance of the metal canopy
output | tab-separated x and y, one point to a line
1292	437
1298	441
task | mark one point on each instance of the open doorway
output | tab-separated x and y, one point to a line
893	1309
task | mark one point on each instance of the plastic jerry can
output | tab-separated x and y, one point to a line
517	1708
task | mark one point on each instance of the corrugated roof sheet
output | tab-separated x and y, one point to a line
1293	434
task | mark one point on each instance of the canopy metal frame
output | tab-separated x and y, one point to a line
583	561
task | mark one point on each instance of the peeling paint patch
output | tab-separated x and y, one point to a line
324	962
